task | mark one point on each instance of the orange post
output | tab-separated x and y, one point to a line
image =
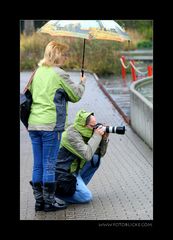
123	70
150	71
133	71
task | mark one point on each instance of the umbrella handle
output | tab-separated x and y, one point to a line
82	71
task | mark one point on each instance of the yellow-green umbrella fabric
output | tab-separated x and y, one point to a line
86	29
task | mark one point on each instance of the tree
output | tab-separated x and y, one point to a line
28	27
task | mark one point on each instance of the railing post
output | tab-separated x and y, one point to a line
150	71
123	70
133	71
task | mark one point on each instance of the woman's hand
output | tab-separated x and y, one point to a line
82	78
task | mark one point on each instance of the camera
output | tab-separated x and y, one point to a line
111	129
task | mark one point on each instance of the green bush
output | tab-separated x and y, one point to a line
28	64
144	44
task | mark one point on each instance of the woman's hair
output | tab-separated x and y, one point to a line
52	54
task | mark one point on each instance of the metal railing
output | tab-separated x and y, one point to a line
141	111
140	55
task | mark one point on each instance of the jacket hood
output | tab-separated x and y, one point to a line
80	123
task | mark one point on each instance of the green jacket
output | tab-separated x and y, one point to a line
46	82
81	141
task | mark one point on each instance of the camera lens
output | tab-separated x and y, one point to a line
111	129
114	129
120	130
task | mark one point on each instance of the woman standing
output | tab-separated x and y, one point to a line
51	90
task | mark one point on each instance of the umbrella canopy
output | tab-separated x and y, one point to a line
86	29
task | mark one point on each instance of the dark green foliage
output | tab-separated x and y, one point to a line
144	44
142	26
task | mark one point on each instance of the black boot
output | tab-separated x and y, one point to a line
50	204
38	194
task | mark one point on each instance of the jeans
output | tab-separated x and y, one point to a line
82	193
45	145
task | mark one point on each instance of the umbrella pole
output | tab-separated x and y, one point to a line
82	69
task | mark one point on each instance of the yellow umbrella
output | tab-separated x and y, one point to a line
86	29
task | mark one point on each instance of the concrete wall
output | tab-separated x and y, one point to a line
141	112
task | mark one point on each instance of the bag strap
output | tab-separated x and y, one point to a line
29	82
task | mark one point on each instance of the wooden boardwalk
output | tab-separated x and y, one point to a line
119	91
123	185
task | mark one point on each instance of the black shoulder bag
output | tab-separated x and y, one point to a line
26	102
66	186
